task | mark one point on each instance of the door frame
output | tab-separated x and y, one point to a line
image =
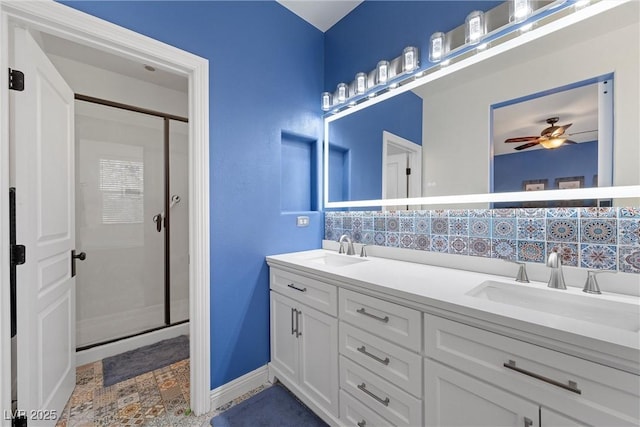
63	21
415	161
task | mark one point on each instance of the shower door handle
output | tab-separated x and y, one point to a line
81	256
158	220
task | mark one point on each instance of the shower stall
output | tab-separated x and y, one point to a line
131	221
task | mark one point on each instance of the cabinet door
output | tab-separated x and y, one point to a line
318	337
456	399
551	418
284	344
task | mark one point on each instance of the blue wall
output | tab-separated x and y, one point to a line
361	135
265	78
509	170
378	30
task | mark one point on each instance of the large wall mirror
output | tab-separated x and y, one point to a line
480	129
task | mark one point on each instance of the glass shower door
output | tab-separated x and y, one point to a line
120	191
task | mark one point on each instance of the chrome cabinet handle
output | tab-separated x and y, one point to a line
384	319
293	329
362	423
364	351
298	313
292	286
528	422
572	386
363	387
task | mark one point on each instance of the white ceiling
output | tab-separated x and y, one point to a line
578	106
322	14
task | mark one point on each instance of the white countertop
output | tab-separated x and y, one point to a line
444	290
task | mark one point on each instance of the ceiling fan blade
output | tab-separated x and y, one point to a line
522	139
560	130
525	146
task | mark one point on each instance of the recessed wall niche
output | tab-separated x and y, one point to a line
299	173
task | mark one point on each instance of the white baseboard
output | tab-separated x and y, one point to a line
98	353
236	388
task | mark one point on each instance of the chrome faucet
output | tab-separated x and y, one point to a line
556	280
350	249
522	271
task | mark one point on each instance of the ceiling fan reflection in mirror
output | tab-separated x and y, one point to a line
550	138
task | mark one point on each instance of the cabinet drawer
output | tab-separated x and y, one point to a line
579	388
319	295
401	367
389	401
394	322
354	413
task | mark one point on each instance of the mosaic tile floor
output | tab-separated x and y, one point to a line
157	398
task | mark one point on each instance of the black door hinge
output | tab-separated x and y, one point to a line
16	80
19	421
18	254
408	171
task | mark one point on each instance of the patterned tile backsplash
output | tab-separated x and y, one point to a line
595	238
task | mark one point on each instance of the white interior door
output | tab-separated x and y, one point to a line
43	145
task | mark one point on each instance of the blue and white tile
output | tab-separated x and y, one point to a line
479	246
337	221
367	237
480	227
562	213
628	232
459	226
356	236
347	222
480	213
600	257
531	251
598	230
406	241
439	243
423	225
504	228
459	245
458	213
531	229
407	223
530	213
329	234
356	222
504	249
629	261
568	252
392	239
439	213
503	213
379	238
628	212
392	223
422	242
562	229
367	223
440	226
598	212
379	222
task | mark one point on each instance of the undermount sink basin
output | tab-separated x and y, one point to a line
616	314
337	260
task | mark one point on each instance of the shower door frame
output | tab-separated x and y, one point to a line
166	120
63	21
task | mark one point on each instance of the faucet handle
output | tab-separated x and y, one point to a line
522	271
591	285
363	252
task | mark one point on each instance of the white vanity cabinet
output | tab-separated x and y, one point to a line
491	371
380	361
304	340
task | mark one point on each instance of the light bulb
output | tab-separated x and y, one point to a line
361	83
519	10
551	143
475	27
382	72
343	92
327	101
436	47
409	59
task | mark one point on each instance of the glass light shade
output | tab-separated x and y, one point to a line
552	142
475	27
519	10
327	101
343	92
409	59
382	72
437	47
361	83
